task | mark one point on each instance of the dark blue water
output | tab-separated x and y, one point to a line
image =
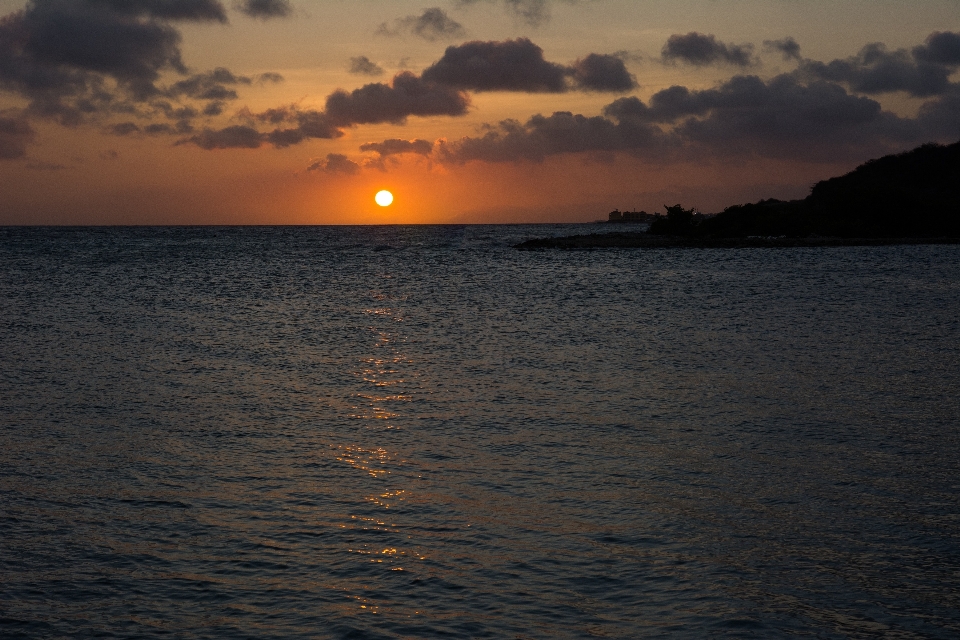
419	432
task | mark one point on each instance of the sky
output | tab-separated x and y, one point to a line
468	111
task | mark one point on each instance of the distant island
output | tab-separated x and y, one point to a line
911	197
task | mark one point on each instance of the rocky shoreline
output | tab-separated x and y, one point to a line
642	240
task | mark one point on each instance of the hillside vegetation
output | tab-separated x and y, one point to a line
910	194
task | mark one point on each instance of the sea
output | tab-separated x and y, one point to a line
422	432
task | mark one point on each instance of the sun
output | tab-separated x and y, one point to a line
384	198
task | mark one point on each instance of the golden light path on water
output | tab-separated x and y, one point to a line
382	377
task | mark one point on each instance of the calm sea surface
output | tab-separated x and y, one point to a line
419	432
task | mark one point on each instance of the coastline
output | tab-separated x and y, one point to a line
642	240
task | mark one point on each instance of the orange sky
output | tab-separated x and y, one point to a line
767	97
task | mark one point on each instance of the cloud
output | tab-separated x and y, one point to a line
433	24
375	103
15	134
265	9
510	65
396	146
519	65
195	10
362	65
532	12
335	163
542	136
784	118
164	128
124	128
744	116
306	124
516	64
602	72
274	78
214	108
941	47
941	117
208	86
233	137
700	50
407	95
925	71
74	60
85	37
787	47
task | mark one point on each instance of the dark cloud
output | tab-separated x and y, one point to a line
335	163
85	37
271	77
941	47
628	56
788	47
746	116
305	125
309	124
233	137
159	129
396	146
77	60
175	113
700	49
433	24
275	115
265	9
407	95
532	12
784	118
923	72
194	10
519	65
941	117
15	135
511	65
542	136
208	86
124	128
601	72
362	65
154	129
214	108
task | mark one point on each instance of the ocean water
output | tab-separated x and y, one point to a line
419	432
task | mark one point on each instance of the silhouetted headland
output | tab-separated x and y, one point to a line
907	198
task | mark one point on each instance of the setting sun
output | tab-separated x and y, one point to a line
384	198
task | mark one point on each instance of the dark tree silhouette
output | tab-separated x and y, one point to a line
910	195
